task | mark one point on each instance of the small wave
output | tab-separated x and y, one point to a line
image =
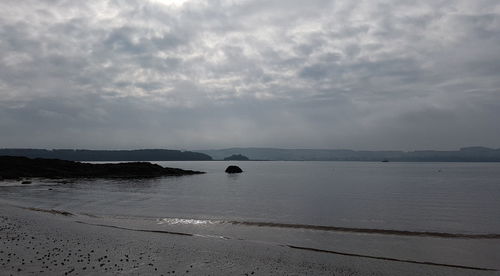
369	230
173	221
153	231
376	231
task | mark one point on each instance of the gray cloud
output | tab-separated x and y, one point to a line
379	74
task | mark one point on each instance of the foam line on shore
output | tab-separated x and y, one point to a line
389	259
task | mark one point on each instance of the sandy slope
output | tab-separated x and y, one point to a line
42	243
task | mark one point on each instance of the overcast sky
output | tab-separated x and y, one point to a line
189	74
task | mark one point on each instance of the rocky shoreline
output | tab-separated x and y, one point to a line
14	167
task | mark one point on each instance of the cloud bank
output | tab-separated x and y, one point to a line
378	74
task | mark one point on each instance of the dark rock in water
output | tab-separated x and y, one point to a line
233	169
14	167
236	157
26	182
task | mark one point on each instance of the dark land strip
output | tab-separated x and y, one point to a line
15	167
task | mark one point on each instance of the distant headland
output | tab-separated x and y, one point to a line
466	154
109	155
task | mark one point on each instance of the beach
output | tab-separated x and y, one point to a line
44	242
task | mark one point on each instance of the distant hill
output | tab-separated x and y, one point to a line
468	154
236	157
109	155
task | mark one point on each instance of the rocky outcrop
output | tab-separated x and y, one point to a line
14	167
233	169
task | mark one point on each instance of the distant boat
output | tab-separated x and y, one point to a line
385	160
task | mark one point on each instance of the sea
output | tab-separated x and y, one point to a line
427	213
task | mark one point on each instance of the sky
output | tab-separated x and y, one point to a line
197	74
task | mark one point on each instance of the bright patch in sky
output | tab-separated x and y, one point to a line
170	2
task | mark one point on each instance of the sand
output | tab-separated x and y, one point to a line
36	242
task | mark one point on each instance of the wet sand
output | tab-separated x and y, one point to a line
33	242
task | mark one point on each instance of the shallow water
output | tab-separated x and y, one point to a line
346	206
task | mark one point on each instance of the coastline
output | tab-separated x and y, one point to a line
54	243
16	167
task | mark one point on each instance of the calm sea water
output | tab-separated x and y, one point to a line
296	203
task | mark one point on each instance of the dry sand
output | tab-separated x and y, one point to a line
33	242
